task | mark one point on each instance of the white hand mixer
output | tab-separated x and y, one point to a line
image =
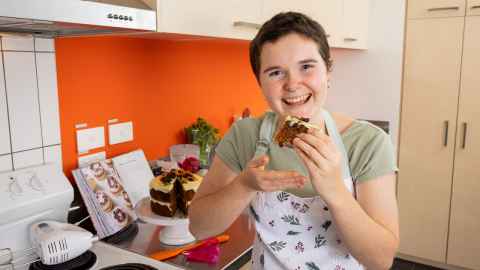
53	242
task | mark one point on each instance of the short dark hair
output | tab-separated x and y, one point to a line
283	24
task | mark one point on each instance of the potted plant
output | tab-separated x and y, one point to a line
205	136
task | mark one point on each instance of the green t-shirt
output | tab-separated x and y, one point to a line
369	149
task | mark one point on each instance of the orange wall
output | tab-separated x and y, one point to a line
160	85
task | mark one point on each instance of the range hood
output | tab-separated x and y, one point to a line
56	18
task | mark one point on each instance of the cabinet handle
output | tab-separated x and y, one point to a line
443	8
350	39
247	24
464	142
474	7
445	141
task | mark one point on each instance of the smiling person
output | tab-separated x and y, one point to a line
327	203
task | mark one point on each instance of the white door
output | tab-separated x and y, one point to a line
22	97
326	12
210	17
465	214
4	127
48	96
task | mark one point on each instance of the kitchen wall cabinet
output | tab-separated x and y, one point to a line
354	27
345	21
435	9
4	128
229	19
22	98
438	183
329	13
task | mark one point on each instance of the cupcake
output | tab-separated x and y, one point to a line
120	217
98	170
104	201
92	183
108	166
113	185
126	198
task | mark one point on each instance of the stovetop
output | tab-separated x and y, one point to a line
108	255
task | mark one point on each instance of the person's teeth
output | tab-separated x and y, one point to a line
297	99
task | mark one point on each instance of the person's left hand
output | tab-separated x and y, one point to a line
323	161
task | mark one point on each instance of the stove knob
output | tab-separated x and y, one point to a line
115	17
120	17
110	16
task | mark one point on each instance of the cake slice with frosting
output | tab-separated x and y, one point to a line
172	191
163	200
290	128
189	183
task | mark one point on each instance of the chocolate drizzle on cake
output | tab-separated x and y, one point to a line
291	127
173	190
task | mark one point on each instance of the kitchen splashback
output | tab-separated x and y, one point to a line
29	114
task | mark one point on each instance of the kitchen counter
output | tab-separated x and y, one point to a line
233	253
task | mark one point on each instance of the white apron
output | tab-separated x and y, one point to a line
298	233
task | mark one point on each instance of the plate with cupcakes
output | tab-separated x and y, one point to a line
170	196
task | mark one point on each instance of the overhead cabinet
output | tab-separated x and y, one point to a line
345	21
439	178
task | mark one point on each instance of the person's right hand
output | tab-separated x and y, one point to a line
257	178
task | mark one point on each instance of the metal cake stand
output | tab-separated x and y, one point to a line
175	230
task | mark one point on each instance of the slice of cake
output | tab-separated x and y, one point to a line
290	128
188	185
173	190
163	195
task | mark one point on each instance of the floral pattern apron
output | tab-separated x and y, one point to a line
293	232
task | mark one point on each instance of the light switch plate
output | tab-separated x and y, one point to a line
119	133
84	160
90	138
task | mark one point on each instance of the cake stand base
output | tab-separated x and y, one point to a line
175	235
175	229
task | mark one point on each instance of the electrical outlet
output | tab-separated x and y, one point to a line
119	133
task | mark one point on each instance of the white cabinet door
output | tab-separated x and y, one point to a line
326	12
6	163
4	128
22	97
355	24
47	89
209	17
27	158
53	154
